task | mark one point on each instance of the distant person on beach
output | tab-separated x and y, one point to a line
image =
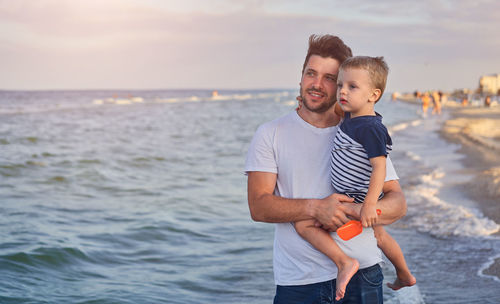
361	146
288	165
443	98
487	101
436	101
394	96
426	101
465	102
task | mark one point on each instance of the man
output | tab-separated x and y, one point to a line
288	167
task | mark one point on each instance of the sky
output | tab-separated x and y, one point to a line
245	44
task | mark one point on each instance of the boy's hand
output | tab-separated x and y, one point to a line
368	215
299	99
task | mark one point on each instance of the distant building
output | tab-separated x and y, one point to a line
490	84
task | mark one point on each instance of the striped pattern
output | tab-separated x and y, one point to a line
350	167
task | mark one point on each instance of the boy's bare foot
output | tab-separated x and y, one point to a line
403	281
346	271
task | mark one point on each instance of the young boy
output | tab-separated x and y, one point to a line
358	165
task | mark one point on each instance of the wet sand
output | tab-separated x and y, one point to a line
478	131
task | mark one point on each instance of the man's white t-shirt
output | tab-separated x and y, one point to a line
299	154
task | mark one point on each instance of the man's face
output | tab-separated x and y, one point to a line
318	87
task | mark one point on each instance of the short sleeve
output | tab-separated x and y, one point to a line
375	140
390	172
260	156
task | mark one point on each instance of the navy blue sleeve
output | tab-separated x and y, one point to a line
375	139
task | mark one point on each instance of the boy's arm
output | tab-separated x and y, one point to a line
267	207
392	205
368	213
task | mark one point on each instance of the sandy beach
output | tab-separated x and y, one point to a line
477	129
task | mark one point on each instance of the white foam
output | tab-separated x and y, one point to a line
243	96
122	101
272	95
118	101
413	156
416	123
168	100
176	100
404	125
431	214
486	266
276	95
220	97
407	295
399	127
137	99
233	97
290	103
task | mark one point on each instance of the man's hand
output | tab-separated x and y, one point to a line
333	211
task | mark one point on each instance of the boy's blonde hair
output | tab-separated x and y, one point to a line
376	66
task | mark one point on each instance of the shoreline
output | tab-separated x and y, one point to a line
477	130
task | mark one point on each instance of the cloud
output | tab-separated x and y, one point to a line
248	44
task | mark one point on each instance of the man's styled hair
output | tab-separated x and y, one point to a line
376	66
327	46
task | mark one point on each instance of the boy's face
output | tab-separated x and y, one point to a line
355	92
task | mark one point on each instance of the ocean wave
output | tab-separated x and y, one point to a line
35	109
404	125
49	257
178	99
413	156
291	103
118	101
438	217
273	94
223	97
482	270
12	169
408	295
32	108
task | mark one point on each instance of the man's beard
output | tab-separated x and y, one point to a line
321	108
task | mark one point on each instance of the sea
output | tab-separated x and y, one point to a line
123	196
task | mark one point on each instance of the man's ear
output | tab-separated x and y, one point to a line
375	95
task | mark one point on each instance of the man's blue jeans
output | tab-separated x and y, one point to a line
365	287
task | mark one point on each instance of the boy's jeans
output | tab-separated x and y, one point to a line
365	287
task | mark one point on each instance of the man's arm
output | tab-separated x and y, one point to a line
392	205
267	207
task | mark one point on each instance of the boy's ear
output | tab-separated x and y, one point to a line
375	95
